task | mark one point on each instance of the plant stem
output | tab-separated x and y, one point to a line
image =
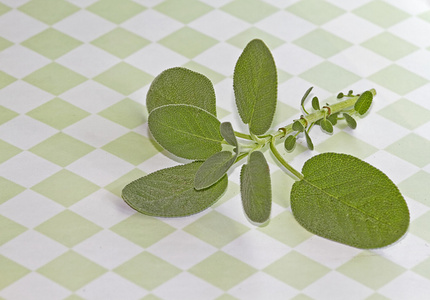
283	161
243	135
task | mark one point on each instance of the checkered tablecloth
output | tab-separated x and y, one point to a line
73	80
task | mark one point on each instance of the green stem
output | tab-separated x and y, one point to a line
283	161
243	135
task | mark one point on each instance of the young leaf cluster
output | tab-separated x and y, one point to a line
336	196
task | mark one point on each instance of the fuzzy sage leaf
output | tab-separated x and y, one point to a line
170	192
213	169
363	103
326	125
290	142
227	133
350	121
255	86
186	131
344	199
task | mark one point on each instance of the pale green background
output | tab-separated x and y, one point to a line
73	79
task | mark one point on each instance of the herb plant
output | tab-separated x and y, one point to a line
336	196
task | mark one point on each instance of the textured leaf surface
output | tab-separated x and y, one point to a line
181	86
315	103
345	199
298	126
290	142
363	103
186	131
255	86
309	141
227	133
350	121
326	125
255	188
213	169
170	192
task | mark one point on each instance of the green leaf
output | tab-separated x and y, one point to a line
309	141
363	103
213	169
255	188
186	131
306	95
350	121
255	86
227	133
171	193
181	86
298	126
315	103
333	118
344	199
326	125
290	142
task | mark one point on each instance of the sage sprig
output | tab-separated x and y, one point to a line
336	196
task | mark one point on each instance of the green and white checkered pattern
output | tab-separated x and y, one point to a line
73	80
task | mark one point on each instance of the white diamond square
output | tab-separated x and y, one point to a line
189	250
155	58
100	167
82	3
256	249
295	60
19	61
151	25
107	249
16	26
95	131
92	96
35	286
349	5
15	3
84	26
209	25
103	208
221	58
412	7
418	27
27	169
32	249
419	96
22	97
407	286
88	60
216	3
111	286
417	62
30	209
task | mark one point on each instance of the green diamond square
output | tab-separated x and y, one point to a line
397	49
377	296
62	149
420	227
250	11
55	78
322	43
4	43
147	270
216	229
407	148
8	189
406	114
58	113
6	114
4	9
306	270
65	188
49	11
127	112
423	269
243	38
330	77
116	11
425	16
10	229
213	76
188	42
226	297
345	143
71	270
68	228
117	186
124	78
10	272
373	271
283	112
74	297
7	151
132	147
5	79
296	233
120	42
281	182
184	11
222	270
398	79
131	229
381	13
51	43
315	11
417	187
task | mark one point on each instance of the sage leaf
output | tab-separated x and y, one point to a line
227	133
186	131
213	169
305	96
315	103
290	142
333	118
350	121
181	86
255	86
170	192
363	103
345	199
298	126
326	125
309	141
255	188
